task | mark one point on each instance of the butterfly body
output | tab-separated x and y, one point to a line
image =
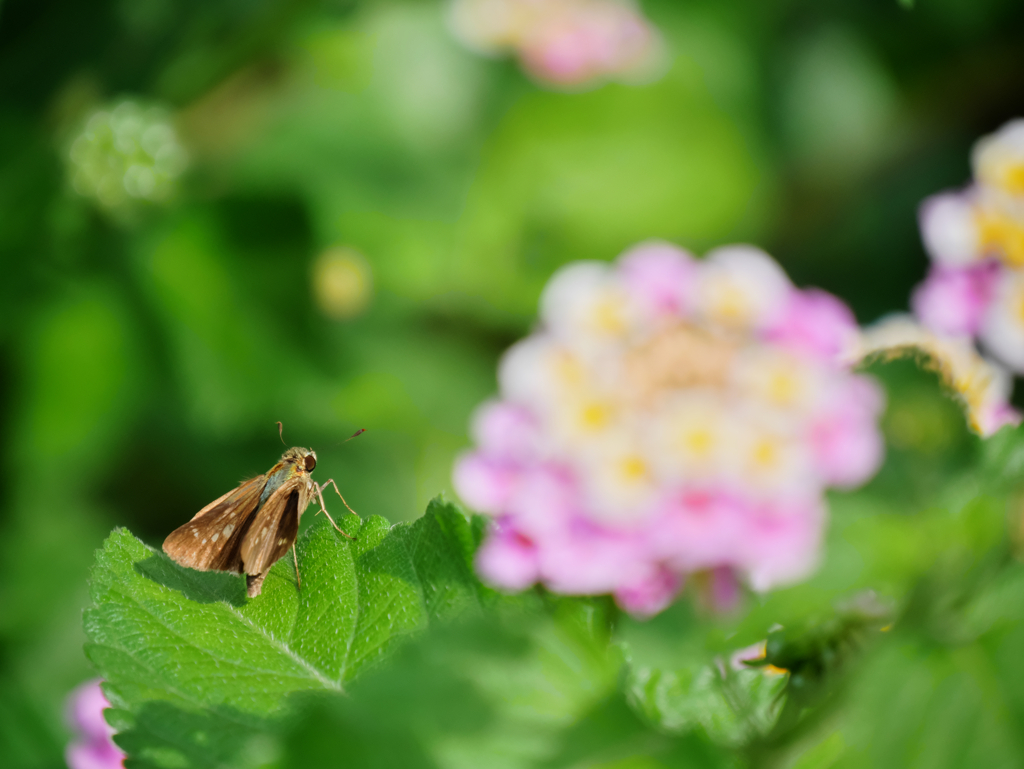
248	529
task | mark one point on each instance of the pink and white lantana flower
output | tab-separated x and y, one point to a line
670	416
562	42
975	238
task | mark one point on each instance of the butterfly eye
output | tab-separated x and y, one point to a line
310	463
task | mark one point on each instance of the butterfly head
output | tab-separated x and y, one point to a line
305	459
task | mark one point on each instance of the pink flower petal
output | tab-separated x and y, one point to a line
90	755
590	560
484	483
698	530
847	447
781	548
94	749
508	560
544	502
505	430
816	323
85	711
953	301
650	595
661	275
997	416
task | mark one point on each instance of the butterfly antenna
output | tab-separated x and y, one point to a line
356	434
280	432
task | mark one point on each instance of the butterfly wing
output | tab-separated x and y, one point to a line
211	540
274	527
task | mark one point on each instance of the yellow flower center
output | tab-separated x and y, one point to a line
766	454
633	469
1013	179
609	316
595	416
730	306
568	370
1003	234
699	442
782	388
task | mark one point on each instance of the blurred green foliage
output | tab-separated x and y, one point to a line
144	360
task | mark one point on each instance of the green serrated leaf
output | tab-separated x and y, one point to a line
730	706
194	669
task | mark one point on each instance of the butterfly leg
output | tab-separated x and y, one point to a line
331	481
298	579
323	508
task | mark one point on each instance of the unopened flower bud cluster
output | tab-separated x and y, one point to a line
670	416
126	154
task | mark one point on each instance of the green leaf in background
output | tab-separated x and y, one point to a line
507	690
1002	461
942	690
195	670
732	706
681	678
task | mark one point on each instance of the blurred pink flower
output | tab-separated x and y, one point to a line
847	446
817	323
651	594
486	483
782	545
662	276
670	416
562	42
93	748
587	558
975	238
508	559
952	301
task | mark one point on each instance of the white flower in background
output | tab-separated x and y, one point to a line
998	159
975	237
670	416
125	154
562	42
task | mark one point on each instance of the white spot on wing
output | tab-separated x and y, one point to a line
204	541
215	537
195	533
228	529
